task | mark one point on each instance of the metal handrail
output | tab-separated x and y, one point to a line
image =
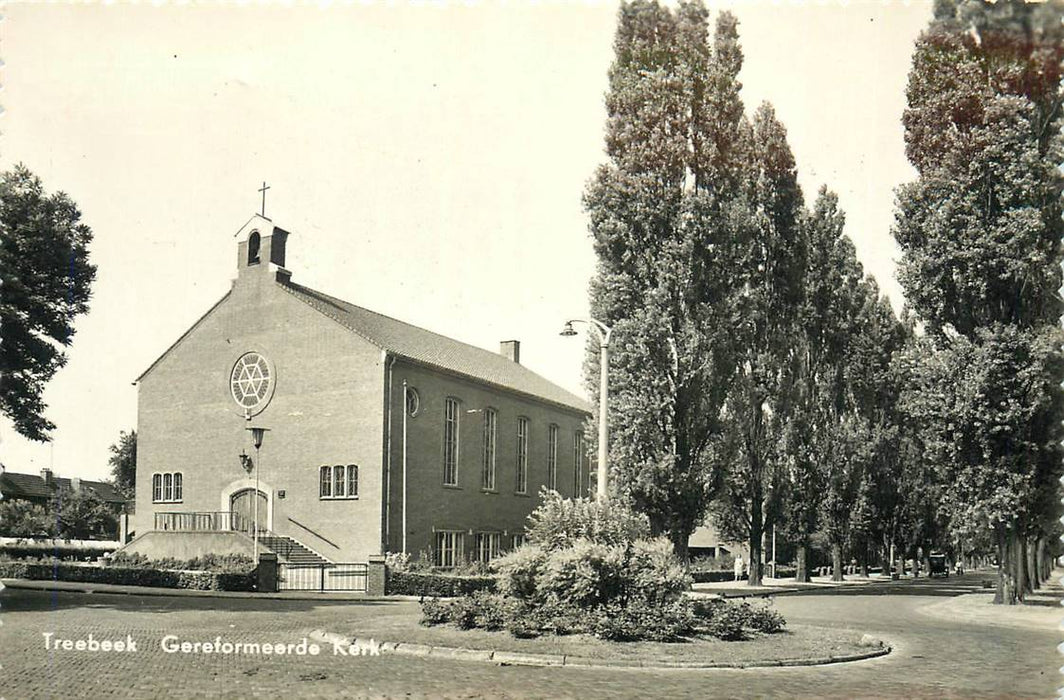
204	521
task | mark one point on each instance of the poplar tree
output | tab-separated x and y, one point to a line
670	229
981	231
762	397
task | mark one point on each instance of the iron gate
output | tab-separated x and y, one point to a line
322	577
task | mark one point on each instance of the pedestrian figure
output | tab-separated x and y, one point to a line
738	566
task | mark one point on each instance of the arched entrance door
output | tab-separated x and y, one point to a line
242	507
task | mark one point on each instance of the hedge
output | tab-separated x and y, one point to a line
155	578
32	551
718	576
436	585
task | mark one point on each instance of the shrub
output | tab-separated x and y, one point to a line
463	612
523	626
639	620
519	570
765	619
434	612
723	619
559	522
655	574
436	585
583	574
492	611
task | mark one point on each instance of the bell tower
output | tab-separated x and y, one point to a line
260	248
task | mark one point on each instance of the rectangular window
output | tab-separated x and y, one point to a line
450	443
352	481
487	546
487	472
522	455
167	487
449	548
552	457
339	482
578	461
325	487
518	540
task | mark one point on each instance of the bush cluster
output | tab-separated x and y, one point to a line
156	578
436	585
730	621
591	568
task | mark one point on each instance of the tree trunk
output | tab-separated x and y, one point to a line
836	561
1006	587
754	572
926	560
679	546
1019	557
1033	578
802	575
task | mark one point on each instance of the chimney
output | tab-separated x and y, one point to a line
46	474
511	350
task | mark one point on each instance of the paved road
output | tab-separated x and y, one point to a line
933	658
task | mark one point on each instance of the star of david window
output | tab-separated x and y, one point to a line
250	380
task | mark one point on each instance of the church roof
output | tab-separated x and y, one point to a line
436	350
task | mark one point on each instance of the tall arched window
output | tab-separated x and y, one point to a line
254	243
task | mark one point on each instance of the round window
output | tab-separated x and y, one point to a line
250	381
413	401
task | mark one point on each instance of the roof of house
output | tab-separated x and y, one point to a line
14	485
436	350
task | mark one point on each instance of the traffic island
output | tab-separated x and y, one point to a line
801	645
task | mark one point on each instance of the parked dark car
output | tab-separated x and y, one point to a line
938	565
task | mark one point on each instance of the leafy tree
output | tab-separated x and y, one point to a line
83	515
45	281
123	463
669	230
831	279
19	518
772	266
981	230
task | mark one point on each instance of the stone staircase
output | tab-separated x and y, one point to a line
290	551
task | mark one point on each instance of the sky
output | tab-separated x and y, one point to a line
429	159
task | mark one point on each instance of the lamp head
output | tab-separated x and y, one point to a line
257	434
568	331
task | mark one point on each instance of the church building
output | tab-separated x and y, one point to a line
327	428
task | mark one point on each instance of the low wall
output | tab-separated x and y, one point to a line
189	545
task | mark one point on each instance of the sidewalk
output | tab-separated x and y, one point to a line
1041	610
775	586
78	587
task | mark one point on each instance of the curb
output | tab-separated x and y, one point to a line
111	589
514	658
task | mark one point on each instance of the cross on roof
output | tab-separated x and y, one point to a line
263	190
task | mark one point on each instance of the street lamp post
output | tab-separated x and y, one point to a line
257	434
602	333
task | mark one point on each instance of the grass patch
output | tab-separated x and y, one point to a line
799	642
